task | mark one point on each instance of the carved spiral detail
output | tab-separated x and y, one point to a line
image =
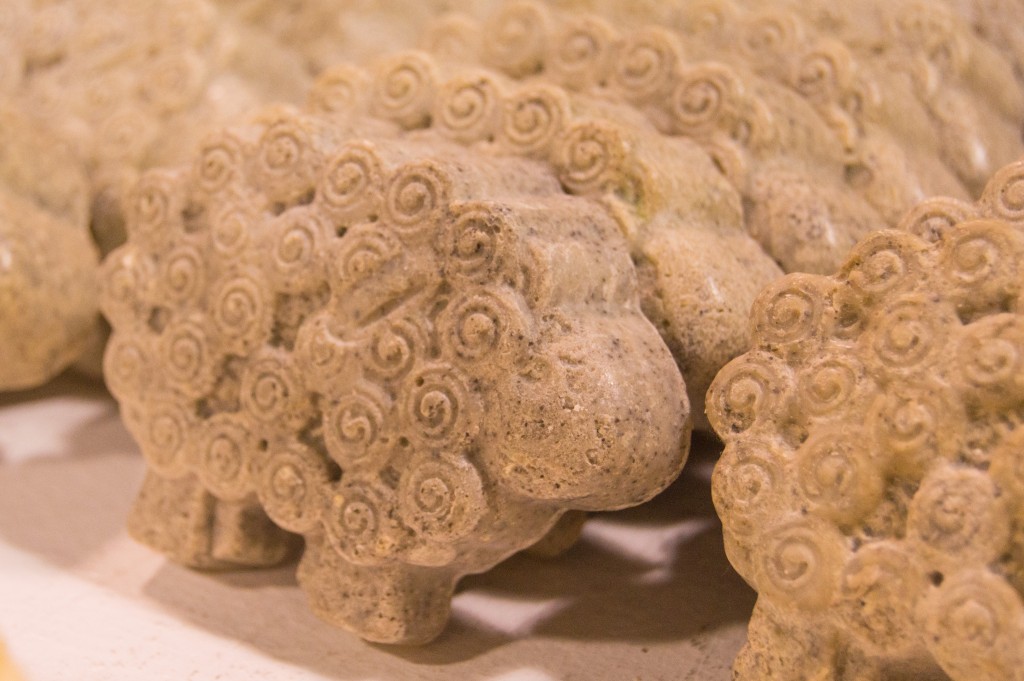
981	257
706	97
914	421
404	87
476	243
287	161
908	332
185	349
354	425
880	588
126	363
231	229
581	51
351	182
125	280
801	562
226	451
440	409
933	218
483	325
830	385
125	135
838	476
416	196
363	252
167	438
957	514
395	346
183	277
297	249
152	206
221	162
317	347
292	487
747	390
468	107
589	156
338	90
441	497
517	38
269	388
1004	193
824	73
357	523
748	485
533	119
884	262
989	355
240	309
647	64
173	81
790	310
771	33
971	622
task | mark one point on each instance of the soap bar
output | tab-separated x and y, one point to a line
48	295
414	355
872	484
49	309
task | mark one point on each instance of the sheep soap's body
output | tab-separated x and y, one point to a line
416	357
871	485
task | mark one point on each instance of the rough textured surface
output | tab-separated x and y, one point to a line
415	356
134	85
48	301
872	486
699	270
823	133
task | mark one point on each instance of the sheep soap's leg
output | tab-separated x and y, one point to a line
385	603
179	518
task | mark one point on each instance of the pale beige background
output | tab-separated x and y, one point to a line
647	595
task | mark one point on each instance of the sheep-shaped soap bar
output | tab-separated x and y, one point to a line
415	356
872	484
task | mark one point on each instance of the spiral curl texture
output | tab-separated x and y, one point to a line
351	182
291	487
469	107
227	448
747	391
1004	193
404	87
801	564
919	503
357	523
440	409
532	120
354	425
416	197
270	391
646	64
442	498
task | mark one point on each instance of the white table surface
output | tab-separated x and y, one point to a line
646	595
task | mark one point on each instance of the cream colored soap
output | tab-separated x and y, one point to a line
872	484
415	356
